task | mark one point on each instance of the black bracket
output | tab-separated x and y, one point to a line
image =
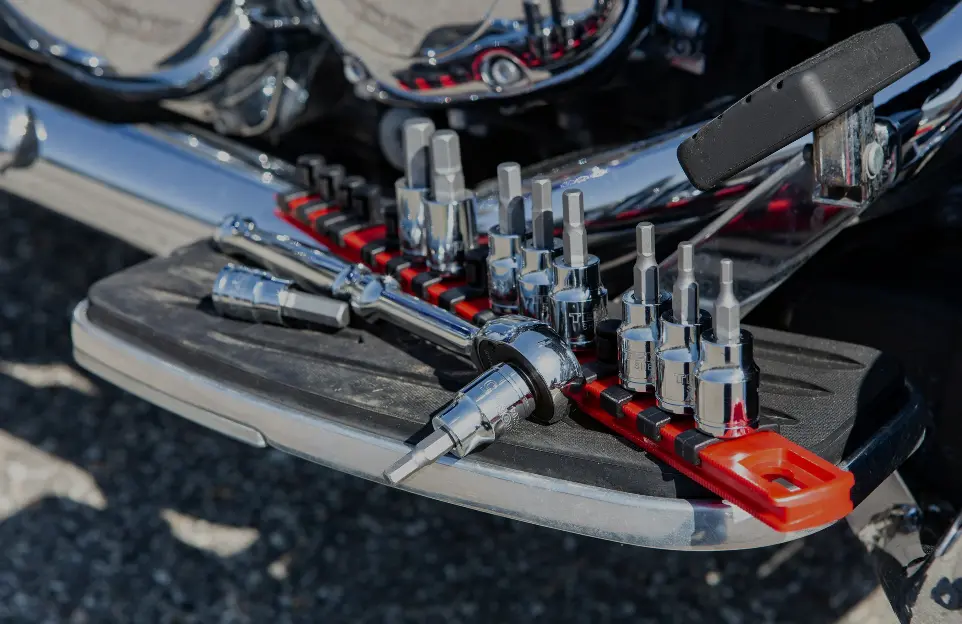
807	97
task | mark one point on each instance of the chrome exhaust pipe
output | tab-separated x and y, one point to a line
159	187
155	187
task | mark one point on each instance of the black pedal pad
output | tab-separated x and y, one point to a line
797	101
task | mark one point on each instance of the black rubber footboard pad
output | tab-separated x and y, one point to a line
383	380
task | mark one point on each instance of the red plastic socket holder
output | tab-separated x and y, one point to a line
354	242
782	484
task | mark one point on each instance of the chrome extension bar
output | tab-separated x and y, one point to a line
371	296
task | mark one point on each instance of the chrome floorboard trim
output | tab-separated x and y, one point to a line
218	423
675	524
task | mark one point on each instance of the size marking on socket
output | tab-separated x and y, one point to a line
642	364
683	381
511	417
577	320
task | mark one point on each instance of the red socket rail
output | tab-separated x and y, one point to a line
782	484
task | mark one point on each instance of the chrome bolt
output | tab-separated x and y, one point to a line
505	72
874	157
354	70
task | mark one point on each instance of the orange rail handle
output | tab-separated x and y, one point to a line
782	484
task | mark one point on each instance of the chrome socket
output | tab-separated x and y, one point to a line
534	281
256	296
726	387
450	223
638	339
529	372
678	353
578	301
504	261
679	339
641	310
505	241
726	378
451	231
412	221
412	189
537	257
485	408
478	414
248	294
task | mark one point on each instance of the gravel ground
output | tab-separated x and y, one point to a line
114	510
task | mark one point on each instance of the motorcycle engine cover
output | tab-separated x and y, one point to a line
827	396
438	53
135	39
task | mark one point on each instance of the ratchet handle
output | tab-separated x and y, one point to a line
427	320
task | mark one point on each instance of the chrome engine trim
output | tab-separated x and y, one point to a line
242	71
471	50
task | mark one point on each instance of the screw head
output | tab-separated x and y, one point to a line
874	157
354	70
505	72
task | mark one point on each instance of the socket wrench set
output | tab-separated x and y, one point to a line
531	313
505	336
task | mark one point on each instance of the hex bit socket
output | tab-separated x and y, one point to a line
504	241
726	377
451	226
413	188
256	296
578	300
534	280
679	340
641	309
